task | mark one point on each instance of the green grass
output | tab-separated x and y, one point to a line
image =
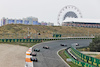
82	49
61	53
85	49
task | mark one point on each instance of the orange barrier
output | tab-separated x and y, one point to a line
28	60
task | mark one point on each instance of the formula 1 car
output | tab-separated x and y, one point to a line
33	54
37	50
45	47
76	44
63	44
34	59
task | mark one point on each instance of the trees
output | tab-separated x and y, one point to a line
95	44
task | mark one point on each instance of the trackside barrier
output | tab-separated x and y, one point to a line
28	62
88	59
36	40
81	64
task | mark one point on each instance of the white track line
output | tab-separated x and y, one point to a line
61	57
69	51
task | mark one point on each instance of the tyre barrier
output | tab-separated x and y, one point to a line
28	62
37	40
75	61
91	60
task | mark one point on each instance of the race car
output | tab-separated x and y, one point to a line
45	47
63	44
33	54
34	59
76	44
37	50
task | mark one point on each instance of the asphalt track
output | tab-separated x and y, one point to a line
49	57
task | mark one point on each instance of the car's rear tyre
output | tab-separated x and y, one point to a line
31	59
36	60
33	55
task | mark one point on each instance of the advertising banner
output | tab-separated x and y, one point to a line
35	23
11	21
79	63
95	61
26	22
19	21
56	35
88	59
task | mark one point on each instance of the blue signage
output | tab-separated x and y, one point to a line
11	21
26	22
19	21
35	23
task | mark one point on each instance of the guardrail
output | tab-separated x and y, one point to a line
28	62
79	63
88	59
40	40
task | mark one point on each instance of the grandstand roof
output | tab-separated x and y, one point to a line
81	20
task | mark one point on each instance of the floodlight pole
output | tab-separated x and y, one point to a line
28	31
88	32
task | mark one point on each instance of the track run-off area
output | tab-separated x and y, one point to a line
49	57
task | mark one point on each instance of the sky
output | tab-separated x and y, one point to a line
47	10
